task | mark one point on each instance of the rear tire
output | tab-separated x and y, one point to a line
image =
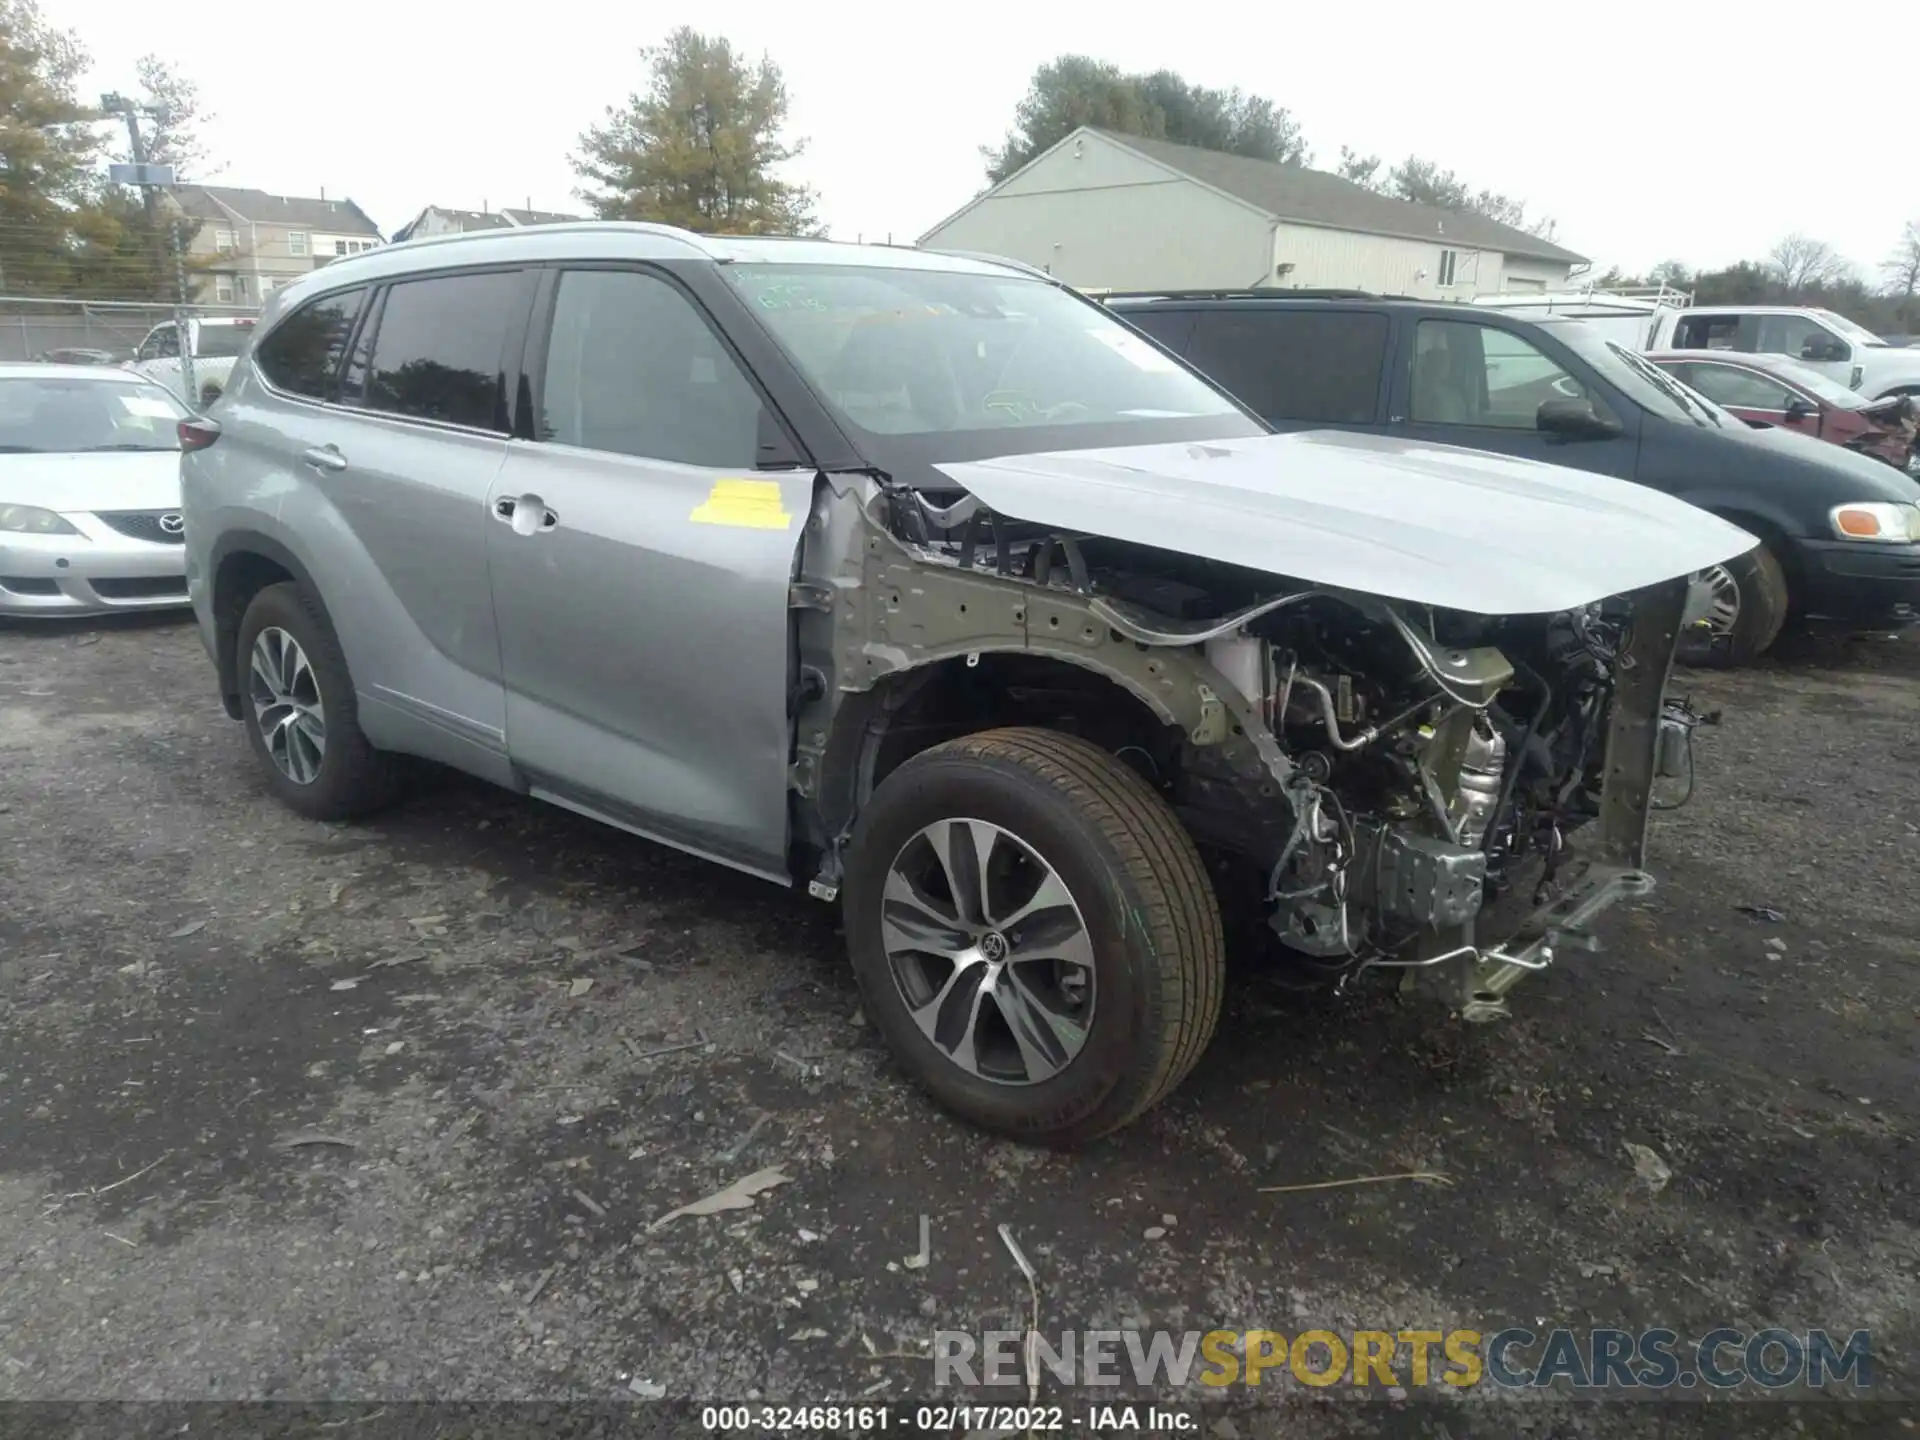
297	702
1060	834
1759	590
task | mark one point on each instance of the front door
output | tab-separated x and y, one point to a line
641	565
159	359
1481	386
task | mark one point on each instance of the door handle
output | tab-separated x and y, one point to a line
324	457
527	514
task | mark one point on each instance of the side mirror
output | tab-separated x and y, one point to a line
1574	420
1798	408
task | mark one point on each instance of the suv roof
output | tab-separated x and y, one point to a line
626	240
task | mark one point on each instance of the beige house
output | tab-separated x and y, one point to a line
1119	212
438	220
250	243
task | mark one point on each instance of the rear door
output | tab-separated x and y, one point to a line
1299	368
642	537
1479	385
390	481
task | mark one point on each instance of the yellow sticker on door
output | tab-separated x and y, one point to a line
744	504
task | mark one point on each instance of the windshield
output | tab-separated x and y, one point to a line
43	416
1856	333
954	365
1643	382
219	342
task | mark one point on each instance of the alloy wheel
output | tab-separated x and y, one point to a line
287	705
1724	612
989	951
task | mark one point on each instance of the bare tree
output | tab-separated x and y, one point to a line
1902	267
1801	263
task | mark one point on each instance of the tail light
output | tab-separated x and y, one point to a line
198	433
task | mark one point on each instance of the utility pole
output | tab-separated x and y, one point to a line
150	178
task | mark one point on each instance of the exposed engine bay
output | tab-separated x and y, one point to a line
1391	771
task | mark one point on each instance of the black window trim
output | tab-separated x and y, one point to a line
375	310
529	388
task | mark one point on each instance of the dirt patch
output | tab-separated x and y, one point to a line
192	980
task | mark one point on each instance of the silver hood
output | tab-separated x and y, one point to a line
1431	524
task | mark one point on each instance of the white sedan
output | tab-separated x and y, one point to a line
89	492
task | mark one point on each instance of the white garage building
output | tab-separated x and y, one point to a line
1117	212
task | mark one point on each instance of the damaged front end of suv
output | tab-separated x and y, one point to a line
1088	668
1387	716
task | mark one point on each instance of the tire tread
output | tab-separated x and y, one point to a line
1182	916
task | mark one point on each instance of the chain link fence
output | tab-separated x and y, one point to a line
34	329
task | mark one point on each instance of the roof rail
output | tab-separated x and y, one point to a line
986	259
1252	294
671	232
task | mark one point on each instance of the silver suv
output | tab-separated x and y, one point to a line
926	583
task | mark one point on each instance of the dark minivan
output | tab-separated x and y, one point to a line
1840	532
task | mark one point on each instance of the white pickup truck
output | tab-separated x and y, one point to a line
215	342
1829	343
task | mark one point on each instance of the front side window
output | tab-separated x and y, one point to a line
1735	389
1317	366
1801	336
162	342
437	353
959	357
302	356
634	369
46	416
1469	374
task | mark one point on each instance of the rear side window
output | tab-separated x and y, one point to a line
1711	332
1317	366
437	353
302	355
633	368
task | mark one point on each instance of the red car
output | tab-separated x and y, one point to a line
1776	390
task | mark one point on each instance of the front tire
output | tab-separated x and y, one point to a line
297	702
1034	934
1751	600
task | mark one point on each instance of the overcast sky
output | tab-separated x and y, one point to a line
1609	119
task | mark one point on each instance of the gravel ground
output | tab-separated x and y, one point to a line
387	1111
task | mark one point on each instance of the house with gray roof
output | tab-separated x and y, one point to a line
1118	212
438	220
249	242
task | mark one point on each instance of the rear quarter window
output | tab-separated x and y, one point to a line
1312	366
302	356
